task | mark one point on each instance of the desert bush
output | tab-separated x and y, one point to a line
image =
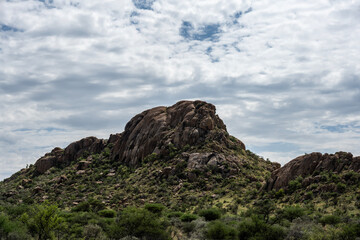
256	228
175	214
210	214
92	205
107	213
329	220
93	232
138	222
292	212
219	230
188	217
155	208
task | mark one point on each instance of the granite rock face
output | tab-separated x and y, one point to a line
155	130
311	164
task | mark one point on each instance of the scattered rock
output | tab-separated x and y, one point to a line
83	165
80	172
37	190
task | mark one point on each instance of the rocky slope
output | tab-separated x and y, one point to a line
176	149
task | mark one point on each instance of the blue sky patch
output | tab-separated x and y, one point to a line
206	32
143	4
7	28
336	128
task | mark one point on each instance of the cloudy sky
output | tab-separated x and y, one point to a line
284	74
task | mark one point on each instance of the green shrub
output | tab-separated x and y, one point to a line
92	205
340	187
188	217
156	208
138	222
218	230
92	231
292	212
210	214
350	231
174	214
107	213
329	220
256	228
293	185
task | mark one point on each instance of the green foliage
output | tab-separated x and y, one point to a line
107	213
294	185
340	187
210	214
92	205
188	217
44	221
291	212
219	230
93	232
174	214
280	193
155	208
138	222
350	231
263	207
151	158
8	228
329	220
256	228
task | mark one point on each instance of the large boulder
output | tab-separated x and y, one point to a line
49	160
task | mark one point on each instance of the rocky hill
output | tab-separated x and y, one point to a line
181	158
183	150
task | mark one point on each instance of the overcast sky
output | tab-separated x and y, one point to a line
283	74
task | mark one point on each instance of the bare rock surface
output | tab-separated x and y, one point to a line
310	164
154	130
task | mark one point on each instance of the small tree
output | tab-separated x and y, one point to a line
45	221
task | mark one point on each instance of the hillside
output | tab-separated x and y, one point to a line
181	159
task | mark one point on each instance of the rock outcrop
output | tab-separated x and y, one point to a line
58	156
157	130
310	164
154	130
